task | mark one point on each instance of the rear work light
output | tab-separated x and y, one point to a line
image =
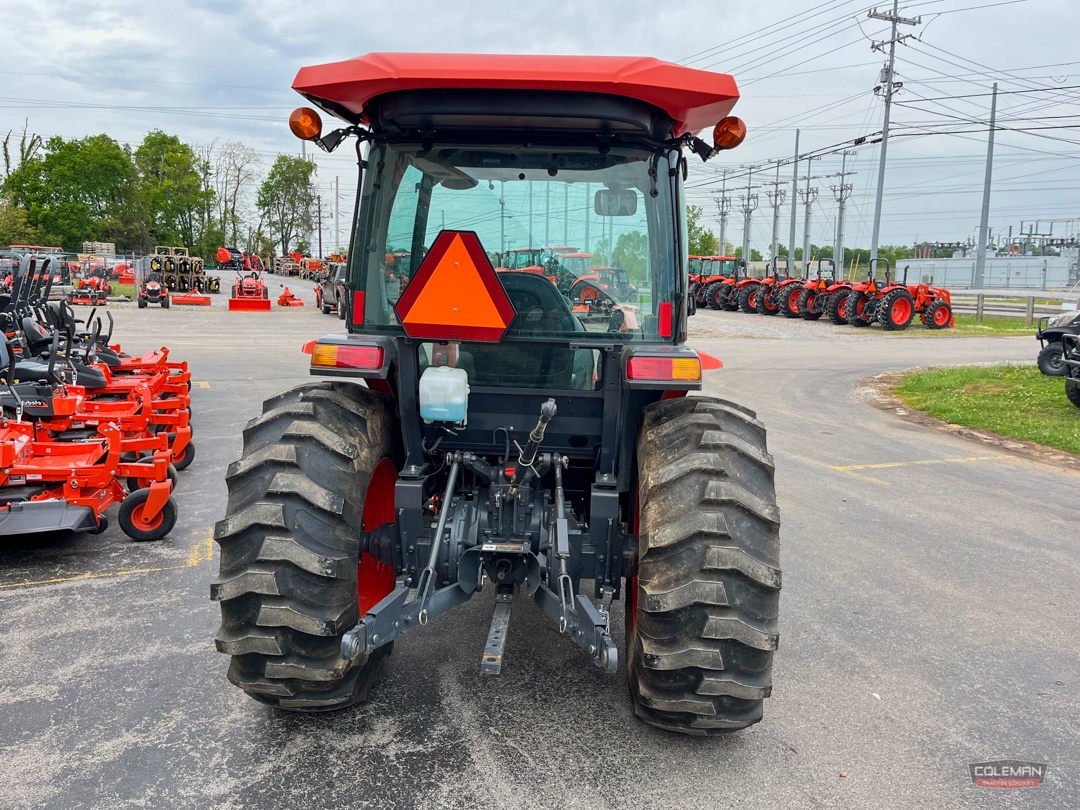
664	369
330	355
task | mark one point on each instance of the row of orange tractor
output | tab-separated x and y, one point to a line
85	426
722	283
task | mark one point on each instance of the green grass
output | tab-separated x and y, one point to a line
1014	401
965	325
123	289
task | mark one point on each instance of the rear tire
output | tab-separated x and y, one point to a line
292	580
855	308
702	609
807	301
835	308
1050	360
789	301
896	310
748	298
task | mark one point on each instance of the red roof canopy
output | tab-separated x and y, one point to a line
695	99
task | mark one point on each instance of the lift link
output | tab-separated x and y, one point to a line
565	586
427	576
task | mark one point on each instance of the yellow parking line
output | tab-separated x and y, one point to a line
200	552
203	384
890	464
843	470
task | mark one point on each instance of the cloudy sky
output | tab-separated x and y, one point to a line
215	69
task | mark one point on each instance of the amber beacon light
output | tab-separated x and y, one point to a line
305	123
729	133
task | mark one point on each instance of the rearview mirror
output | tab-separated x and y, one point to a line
609	202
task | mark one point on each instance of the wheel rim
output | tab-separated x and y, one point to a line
137	518
941	316
811	302
901	311
1055	360
374	579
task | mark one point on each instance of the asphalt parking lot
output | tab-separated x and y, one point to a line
928	621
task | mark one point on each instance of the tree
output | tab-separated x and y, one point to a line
80	190
755	254
287	198
700	241
631	253
29	146
235	167
172	190
15	227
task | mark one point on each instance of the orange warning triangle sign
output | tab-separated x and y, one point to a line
455	294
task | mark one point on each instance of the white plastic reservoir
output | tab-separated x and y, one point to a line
444	395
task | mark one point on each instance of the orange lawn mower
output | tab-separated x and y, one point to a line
50	484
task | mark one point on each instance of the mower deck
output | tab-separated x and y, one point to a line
192	299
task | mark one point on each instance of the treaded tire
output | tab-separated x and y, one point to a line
767	294
702	610
835	307
1050	362
786	294
888	307
806	299
851	308
710	295
929	315
747	301
290	550
1072	392
730	299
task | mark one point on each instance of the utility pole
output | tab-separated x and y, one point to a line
588	207
808	195
776	197
889	87
530	215
842	193
980	257
547	215
723	207
502	218
337	213
794	203
318	207
749	203
566	214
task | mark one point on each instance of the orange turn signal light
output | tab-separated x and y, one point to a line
332	355
664	369
729	133
305	123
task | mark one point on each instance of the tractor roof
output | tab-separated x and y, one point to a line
694	99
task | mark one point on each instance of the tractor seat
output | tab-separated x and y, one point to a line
541	311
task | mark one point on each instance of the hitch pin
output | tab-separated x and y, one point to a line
427	577
562	545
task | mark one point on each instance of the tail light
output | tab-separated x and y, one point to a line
664	369
364	358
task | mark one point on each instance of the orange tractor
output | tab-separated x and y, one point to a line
479	432
249	293
894	305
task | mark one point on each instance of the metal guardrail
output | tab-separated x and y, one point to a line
982	305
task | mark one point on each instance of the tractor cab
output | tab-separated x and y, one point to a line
503	436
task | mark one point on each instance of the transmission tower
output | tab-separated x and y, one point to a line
776	197
887	86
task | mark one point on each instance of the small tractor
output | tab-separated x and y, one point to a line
249	293
150	288
478	433
93	288
773	285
